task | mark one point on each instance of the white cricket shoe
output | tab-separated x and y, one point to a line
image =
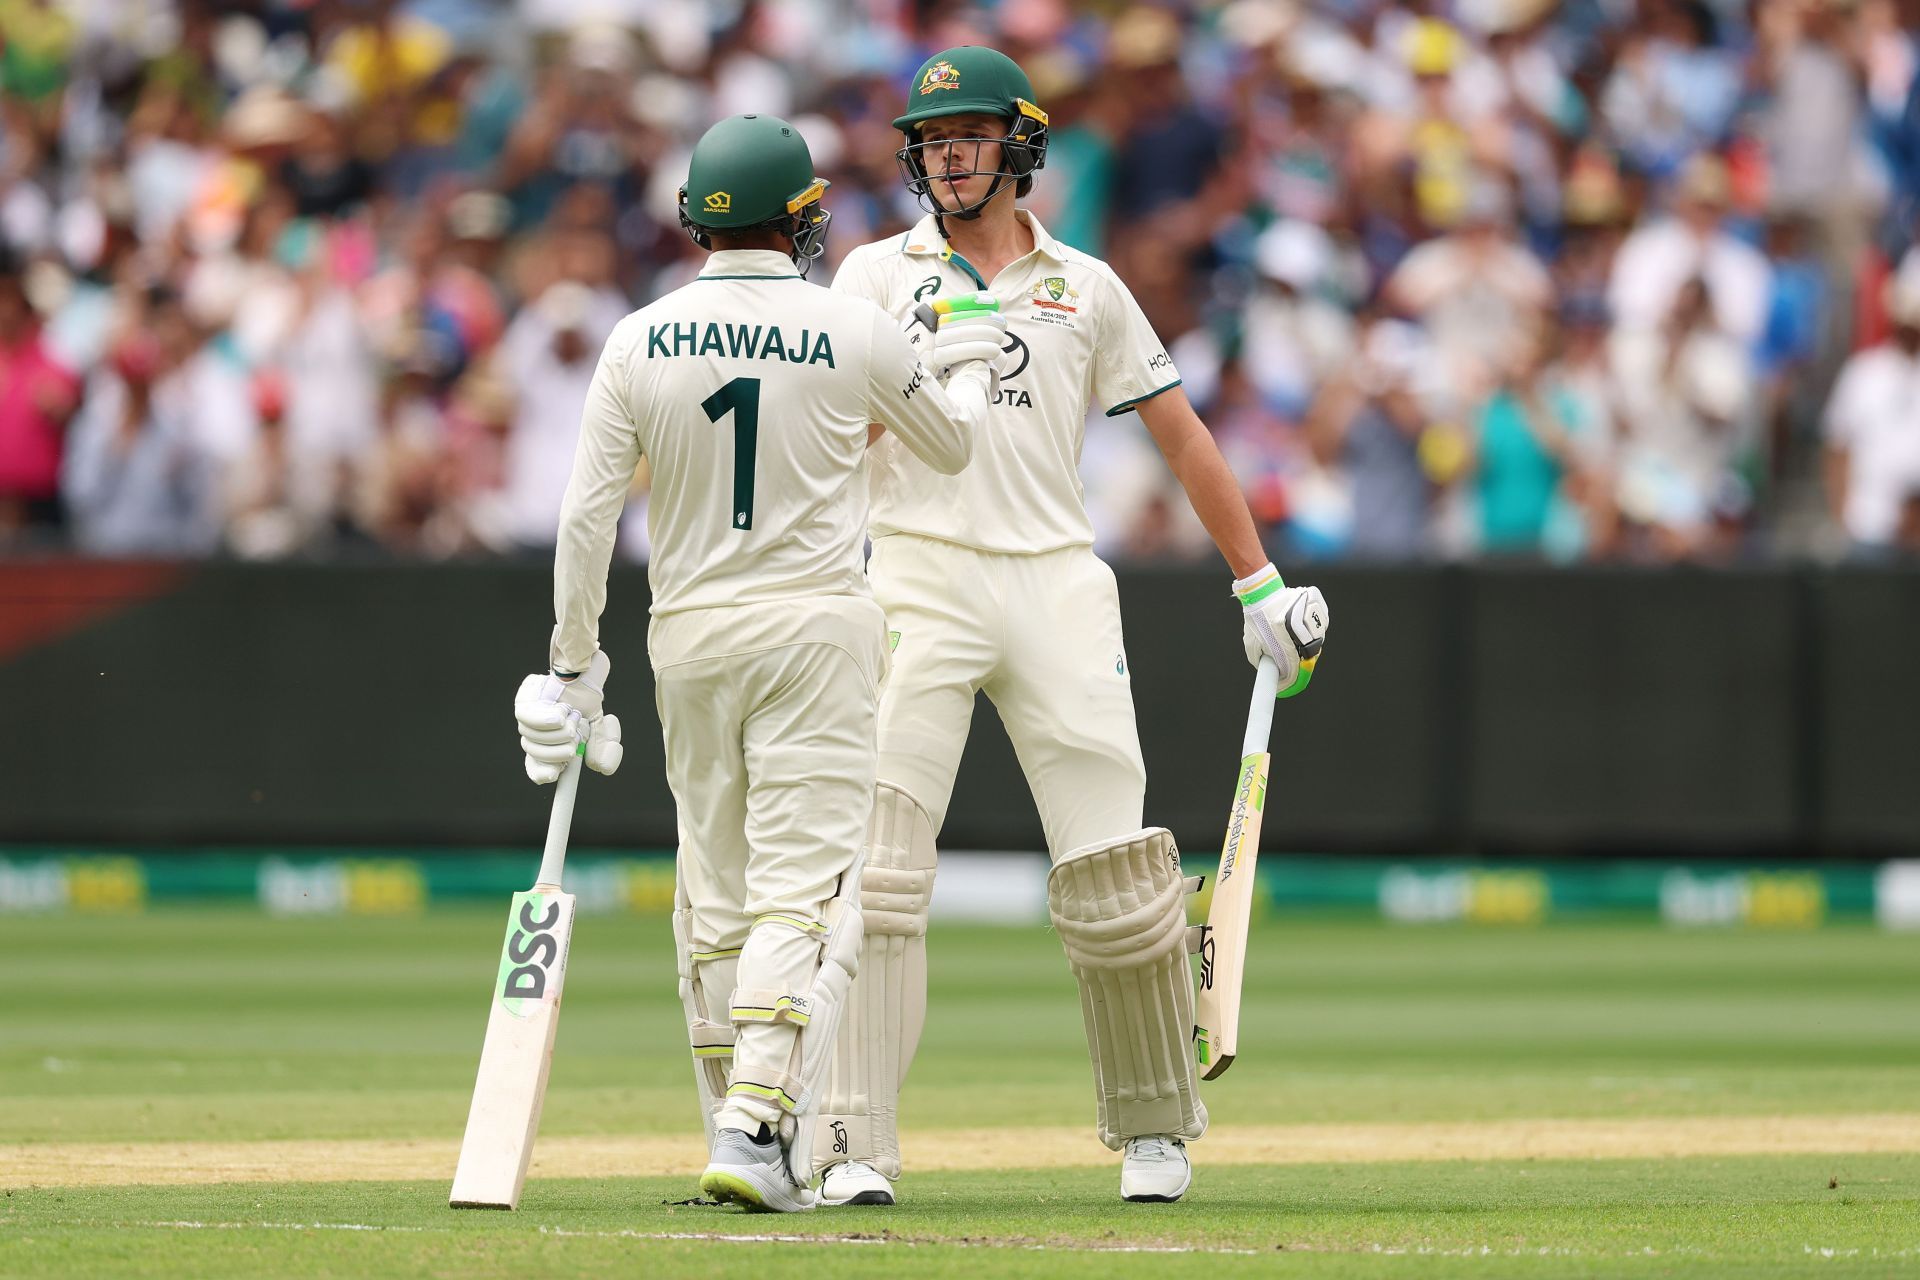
1155	1171
855	1182
753	1175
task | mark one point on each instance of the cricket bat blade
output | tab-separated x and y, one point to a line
1223	940
521	1025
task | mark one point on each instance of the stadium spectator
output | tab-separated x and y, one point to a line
1665	256
548	357
138	478
37	397
1529	462
1873	432
1685	399
1369	423
1477	291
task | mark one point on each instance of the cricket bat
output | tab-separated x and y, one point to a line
1223	939
521	1024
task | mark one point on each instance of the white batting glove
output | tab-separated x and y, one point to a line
555	716
966	336
1287	624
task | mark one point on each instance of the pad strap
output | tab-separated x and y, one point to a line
779	1087
771	1006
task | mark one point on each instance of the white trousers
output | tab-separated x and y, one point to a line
1041	635
768	714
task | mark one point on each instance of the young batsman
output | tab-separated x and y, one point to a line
989	581
751	392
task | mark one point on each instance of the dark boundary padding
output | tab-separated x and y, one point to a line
1463	711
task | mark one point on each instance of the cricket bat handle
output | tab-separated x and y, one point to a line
553	860
1266	684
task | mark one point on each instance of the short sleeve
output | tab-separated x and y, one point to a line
857	278
1131	363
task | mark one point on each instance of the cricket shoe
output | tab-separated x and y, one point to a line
1156	1170
752	1174
855	1182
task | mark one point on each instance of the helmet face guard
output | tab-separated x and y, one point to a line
1023	149
805	221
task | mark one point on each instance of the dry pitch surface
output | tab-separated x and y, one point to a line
216	1094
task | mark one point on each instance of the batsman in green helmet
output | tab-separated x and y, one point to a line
754	396
752	177
991	584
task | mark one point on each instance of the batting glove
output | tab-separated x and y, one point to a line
1287	624
965	336
555	716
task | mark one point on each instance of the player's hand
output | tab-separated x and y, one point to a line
555	716
1287	624
966	336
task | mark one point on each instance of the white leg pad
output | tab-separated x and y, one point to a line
706	986
860	1116
1121	911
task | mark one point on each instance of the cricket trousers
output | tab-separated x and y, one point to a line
1040	634
768	717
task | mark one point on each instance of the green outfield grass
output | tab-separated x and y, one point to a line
223	1026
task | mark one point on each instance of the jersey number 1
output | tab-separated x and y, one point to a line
741	397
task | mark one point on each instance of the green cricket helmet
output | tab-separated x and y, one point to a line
755	172
965	81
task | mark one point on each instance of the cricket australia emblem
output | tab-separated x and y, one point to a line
1054	294
941	75
1054	300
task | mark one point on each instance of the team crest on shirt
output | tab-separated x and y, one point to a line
941	75
1054	300
1055	294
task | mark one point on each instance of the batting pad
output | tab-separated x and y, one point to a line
706	985
1121	911
860	1113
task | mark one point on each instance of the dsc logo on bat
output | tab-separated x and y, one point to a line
530	964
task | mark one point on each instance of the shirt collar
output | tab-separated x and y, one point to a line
925	238
748	262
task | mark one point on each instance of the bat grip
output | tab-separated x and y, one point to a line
1266	683
553	859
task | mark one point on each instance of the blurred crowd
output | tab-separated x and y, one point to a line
1587	280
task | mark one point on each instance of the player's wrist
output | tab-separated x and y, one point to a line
1258	585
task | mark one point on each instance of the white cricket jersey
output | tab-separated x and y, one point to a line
1077	337
749	391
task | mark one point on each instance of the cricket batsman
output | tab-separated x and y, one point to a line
751	392
989	581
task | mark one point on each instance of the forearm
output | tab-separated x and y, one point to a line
1209	482
1216	497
